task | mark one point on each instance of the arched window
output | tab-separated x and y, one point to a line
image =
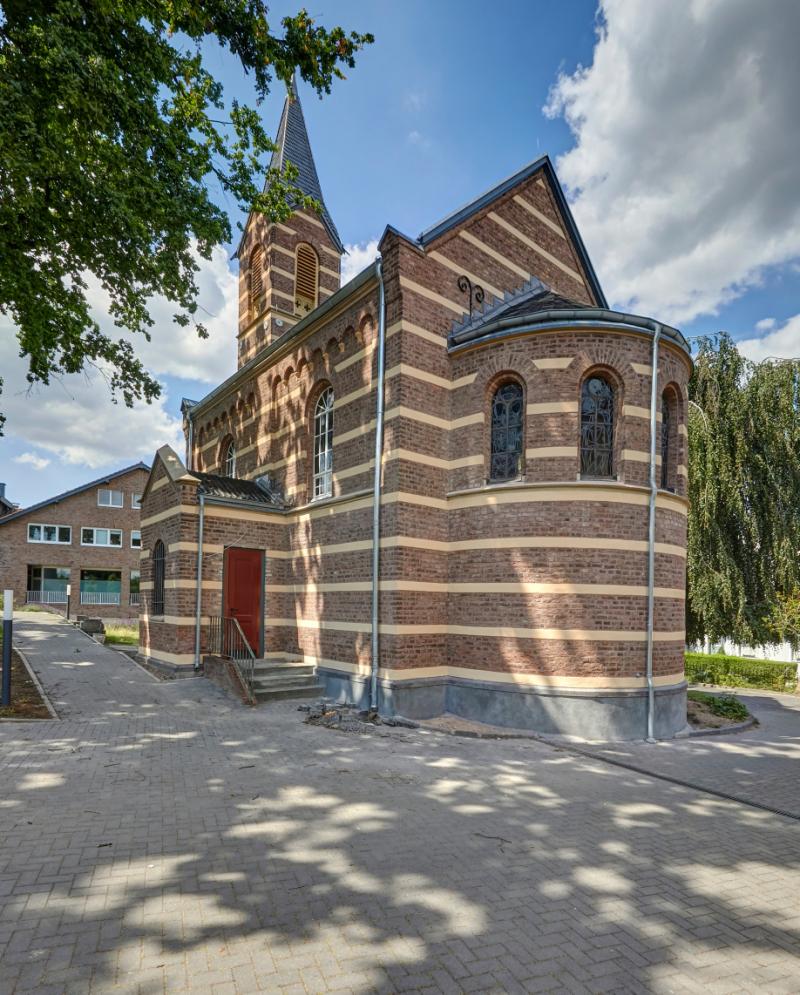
158	578
305	279
229	459
597	427
323	445
507	432
256	278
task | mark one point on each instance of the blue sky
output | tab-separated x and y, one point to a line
680	163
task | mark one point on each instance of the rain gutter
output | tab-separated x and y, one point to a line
585	317
376	492
651	537
199	605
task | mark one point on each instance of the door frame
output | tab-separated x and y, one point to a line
258	650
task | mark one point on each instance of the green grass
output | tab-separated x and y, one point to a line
721	704
128	635
739	672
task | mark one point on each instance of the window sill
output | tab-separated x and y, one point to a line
509	482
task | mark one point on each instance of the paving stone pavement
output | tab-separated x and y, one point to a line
160	837
761	765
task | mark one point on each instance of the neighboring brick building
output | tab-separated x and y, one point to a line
88	538
514	503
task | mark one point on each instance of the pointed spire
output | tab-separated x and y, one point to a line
294	146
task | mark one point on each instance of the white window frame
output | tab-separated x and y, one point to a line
101	545
229	460
136	502
110	503
136	534
50	542
322	468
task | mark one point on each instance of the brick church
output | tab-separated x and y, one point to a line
450	485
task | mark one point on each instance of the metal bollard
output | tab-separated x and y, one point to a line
8	625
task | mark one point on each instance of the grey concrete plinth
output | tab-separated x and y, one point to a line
594	715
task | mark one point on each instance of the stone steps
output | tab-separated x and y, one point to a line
310	690
279	681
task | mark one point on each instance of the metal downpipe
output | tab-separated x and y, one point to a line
199	605
651	539
376	494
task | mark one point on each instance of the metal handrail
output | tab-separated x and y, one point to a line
226	639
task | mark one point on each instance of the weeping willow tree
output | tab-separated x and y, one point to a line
744	489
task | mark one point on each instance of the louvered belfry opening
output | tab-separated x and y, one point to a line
305	279
257	281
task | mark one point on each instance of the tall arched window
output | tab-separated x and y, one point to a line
669	426
507	432
256	278
323	445
306	279
597	427
158	578
229	459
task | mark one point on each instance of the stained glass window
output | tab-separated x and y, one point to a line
507	432
597	428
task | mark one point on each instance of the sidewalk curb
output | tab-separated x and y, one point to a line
724	730
33	676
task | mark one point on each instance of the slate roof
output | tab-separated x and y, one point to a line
76	490
534	299
548	301
294	147
529	299
233	489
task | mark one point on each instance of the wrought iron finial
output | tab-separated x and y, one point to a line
475	292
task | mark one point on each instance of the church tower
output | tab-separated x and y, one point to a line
286	269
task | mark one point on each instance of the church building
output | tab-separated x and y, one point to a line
455	484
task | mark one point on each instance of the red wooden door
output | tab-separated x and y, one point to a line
242	599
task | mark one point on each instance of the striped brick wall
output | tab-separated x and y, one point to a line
538	581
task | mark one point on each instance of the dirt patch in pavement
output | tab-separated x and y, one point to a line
701	716
26	702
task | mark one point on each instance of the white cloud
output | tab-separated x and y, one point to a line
414	101
359	256
177	351
781	342
766	324
74	417
686	163
417	138
37	462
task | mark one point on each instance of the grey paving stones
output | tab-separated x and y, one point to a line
162	838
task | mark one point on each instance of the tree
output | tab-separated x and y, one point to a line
113	132
744	492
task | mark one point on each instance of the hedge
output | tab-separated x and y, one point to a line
738	672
